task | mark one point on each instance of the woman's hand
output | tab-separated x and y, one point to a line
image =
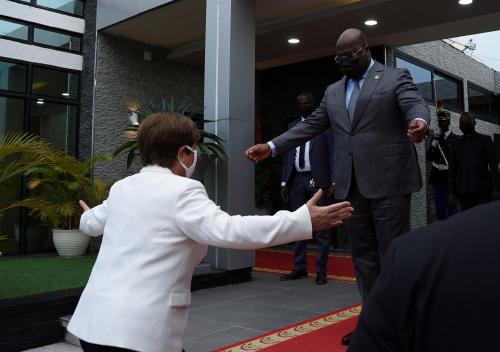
84	205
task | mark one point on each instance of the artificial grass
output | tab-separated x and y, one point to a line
20	277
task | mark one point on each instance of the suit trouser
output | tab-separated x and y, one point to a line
371	228
300	191
92	347
444	209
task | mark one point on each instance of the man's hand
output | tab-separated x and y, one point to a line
284	193
323	218
258	152
84	205
452	199
417	131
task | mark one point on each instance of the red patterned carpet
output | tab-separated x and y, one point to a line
268	260
321	334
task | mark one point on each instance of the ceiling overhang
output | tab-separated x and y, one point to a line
180	26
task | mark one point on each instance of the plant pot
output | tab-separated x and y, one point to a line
70	243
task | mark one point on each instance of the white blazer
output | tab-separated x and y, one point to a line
156	228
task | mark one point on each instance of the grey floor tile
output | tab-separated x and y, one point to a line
245	290
290	298
220	339
205	298
236	312
279	321
198	327
331	304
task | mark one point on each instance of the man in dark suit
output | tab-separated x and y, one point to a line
376	114
305	170
439	155
438	290
473	175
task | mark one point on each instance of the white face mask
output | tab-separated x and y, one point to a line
189	170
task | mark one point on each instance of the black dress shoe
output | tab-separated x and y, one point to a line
320	279
346	339
294	275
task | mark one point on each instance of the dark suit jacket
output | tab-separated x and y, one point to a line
376	143
439	290
433	154
320	154
473	165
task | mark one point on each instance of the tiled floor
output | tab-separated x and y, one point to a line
228	314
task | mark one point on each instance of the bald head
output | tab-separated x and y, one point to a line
351	38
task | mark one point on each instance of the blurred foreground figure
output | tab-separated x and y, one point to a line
439	289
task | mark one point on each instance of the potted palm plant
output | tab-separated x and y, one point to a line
209	146
62	188
21	154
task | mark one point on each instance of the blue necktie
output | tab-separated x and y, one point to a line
351	108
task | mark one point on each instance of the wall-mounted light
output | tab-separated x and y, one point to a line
133	118
465	2
65	94
371	22
40	101
294	41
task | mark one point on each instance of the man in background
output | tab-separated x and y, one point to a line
438	155
473	174
305	170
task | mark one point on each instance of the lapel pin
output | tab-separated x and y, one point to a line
377	77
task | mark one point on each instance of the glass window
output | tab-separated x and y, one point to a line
11	120
448	91
56	123
55	39
421	77
12	76
13	30
74	7
54	83
479	103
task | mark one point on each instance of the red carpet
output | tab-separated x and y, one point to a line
268	260
321	334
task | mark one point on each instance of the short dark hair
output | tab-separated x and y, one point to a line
162	134
468	114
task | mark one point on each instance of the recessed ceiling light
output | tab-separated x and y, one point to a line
371	22
465	2
65	94
294	41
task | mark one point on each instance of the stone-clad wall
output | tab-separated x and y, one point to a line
87	80
124	76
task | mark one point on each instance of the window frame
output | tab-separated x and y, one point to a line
23	23
31	35
34	3
28	96
493	113
435	71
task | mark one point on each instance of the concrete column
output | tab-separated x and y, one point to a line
229	101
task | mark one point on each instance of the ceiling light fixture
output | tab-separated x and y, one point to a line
465	2
294	41
371	22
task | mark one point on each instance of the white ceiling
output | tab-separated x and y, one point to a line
180	26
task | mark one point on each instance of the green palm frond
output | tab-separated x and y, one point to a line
209	143
38	207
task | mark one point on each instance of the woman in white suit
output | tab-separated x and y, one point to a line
157	225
